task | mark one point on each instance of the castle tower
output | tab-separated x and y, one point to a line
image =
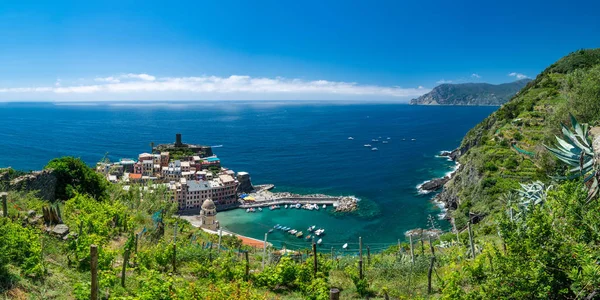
178	142
208	215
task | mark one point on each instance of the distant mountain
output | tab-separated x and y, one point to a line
471	94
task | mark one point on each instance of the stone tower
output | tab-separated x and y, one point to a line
208	215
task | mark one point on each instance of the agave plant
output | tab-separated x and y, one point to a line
526	198
577	151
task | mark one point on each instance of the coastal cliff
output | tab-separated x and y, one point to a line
471	94
507	147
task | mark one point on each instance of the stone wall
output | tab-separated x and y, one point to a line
42	182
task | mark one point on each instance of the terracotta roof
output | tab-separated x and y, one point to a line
135	176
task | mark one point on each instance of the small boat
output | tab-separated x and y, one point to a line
276	226
311	228
298	205
247	210
367	145
308	237
316	207
379	137
259	209
389	138
270	230
324	205
374	140
345	246
350	138
293	231
286	206
413	139
299	234
374	149
319	241
384	142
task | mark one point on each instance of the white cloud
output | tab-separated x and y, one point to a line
475	75
109	79
139	76
518	75
442	81
239	87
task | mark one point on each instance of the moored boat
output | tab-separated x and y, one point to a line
308	237
345	246
299	234
319	241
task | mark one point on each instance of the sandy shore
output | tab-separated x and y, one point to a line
248	241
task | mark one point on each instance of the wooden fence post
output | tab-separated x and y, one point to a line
175	249
94	269
264	252
360	259
368	256
429	275
219	244
412	252
314	248
431	246
125	261
471	240
422	245
247	265
4	204
334	294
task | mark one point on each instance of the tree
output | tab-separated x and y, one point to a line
74	176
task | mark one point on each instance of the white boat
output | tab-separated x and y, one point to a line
413	139
350	138
374	149
324	205
374	140
389	138
319	241
247	210
316	207
311	228
259	209
286	206
319	231
385	142
345	246
298	205
293	231
367	145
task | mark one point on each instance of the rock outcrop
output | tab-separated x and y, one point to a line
41	182
434	184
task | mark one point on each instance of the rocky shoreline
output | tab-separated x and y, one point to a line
445	199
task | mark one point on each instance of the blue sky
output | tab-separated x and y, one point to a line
355	50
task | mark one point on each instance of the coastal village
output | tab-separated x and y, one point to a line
201	186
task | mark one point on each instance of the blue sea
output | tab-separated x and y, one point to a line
301	147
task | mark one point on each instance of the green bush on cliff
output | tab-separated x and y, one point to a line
75	177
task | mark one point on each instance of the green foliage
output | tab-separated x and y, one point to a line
75	177
20	247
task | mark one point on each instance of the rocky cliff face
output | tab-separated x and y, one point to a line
471	94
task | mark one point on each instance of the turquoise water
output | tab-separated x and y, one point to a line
299	147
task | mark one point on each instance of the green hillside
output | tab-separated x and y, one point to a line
507	147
